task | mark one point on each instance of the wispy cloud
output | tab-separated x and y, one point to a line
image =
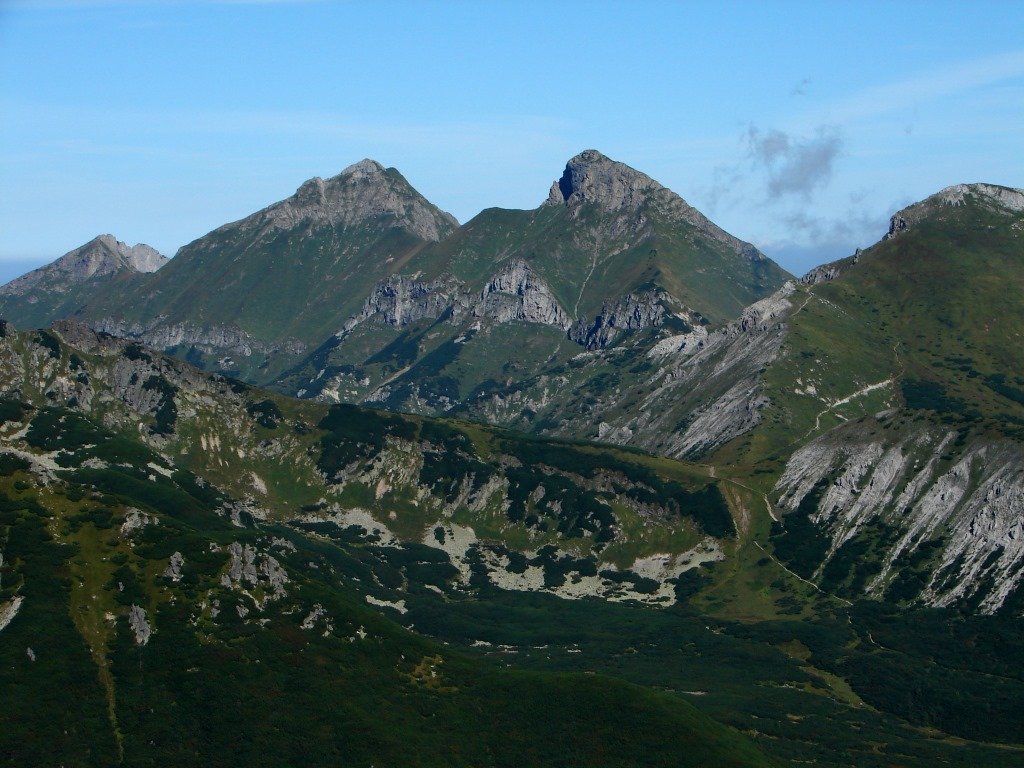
811	237
927	86
794	165
800	89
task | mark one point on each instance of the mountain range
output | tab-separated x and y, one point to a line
348	434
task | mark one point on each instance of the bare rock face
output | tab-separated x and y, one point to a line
135	520
630	313
971	507
140	626
9	610
362	192
174	565
210	339
401	300
252	568
897	224
517	293
1005	198
514	294
716	376
314	616
102	256
828	272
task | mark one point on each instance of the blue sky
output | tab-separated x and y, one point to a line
797	126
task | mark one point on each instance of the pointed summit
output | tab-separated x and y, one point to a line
590	177
364	168
365	193
118	256
105	255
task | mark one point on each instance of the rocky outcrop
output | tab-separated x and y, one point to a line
514	294
135	520
897	224
316	614
103	256
630	313
213	339
828	272
967	504
717	384
364	192
401	300
9	610
1005	200
250	568
518	294
139	625
174	566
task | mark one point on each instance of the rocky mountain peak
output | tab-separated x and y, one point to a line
362	193
102	256
1008	198
1004	199
365	168
592	177
106	254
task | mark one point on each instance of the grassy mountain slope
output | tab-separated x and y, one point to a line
380	509
611	253
878	398
251	295
254	646
938	307
892	431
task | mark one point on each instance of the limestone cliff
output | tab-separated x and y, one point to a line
957	508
